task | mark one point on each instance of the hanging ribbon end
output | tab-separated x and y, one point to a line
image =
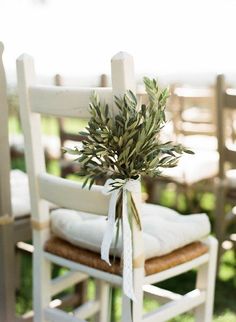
106	259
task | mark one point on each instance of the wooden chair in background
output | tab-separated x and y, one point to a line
226	181
71	102
194	111
66	166
193	117
14	211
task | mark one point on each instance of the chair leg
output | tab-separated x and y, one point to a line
103	295
126	309
7	273
206	282
41	285
220	219
132	311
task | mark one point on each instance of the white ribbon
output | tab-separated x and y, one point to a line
133	186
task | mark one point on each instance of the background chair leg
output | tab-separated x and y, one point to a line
103	295
7	273
206	282
220	221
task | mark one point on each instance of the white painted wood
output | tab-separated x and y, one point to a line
87	309
177	270
103	296
7	267
56	315
25	247
65	101
174	308
34	152
110	278
60	283
35	164
159	294
123	79
206	282
55	189
122	75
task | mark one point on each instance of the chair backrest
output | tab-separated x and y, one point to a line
5	196
184	97
226	109
62	102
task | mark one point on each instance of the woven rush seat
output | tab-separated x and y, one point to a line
62	248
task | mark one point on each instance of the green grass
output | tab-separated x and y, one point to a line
225	296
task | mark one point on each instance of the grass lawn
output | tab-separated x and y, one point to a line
225	298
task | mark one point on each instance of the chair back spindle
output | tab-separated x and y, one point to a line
5	199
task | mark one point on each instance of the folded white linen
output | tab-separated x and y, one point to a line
164	229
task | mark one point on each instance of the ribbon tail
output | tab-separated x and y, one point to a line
108	236
127	251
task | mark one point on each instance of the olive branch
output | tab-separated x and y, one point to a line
127	145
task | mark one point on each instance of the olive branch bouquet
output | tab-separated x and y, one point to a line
126	145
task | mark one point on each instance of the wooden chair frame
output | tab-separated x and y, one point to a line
226	102
12	230
183	96
73	102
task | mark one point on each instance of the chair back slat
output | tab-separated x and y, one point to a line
65	101
5	192
54	189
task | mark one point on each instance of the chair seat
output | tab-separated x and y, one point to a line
197	128
197	114
62	248
194	168
199	142
164	229
51	145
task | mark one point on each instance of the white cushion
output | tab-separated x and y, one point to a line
198	114
199	142
231	178
194	168
164	230
20	198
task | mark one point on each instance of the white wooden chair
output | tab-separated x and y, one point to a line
74	102
15	221
226	180
14	211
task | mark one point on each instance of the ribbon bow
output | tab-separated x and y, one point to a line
114	188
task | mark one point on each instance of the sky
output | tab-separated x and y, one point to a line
75	37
